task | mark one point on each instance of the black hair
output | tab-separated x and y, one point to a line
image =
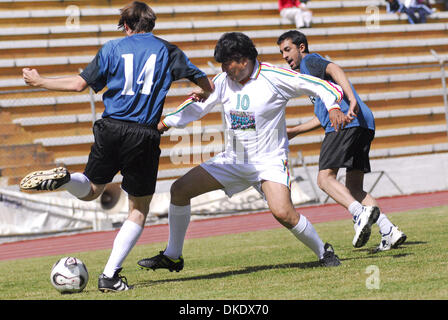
235	46
296	37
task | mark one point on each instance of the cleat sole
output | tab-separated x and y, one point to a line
33	180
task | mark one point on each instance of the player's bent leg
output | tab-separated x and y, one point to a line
195	182
138	209
95	191
327	182
279	201
58	179
354	181
182	191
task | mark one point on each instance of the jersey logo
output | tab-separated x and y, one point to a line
241	120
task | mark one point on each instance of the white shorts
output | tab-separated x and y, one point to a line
237	177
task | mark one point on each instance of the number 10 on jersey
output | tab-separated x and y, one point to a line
243	102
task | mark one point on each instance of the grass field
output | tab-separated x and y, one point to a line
267	265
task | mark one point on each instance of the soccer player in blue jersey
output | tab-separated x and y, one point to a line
137	71
345	146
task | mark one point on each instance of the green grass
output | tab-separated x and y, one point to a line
268	265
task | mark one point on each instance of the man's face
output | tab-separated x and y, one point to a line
291	53
237	70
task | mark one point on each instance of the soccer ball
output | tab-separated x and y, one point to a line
69	275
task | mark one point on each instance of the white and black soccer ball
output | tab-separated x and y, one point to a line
69	275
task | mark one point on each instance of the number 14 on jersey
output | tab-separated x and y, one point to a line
145	77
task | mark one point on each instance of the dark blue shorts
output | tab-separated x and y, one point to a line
127	147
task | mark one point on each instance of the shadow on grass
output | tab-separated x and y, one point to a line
246	270
394	253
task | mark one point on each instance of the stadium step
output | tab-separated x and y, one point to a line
396	75
16	155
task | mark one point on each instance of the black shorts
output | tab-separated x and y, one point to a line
348	148
129	147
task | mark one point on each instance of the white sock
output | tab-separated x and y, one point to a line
305	232
178	219
124	242
355	208
79	185
384	223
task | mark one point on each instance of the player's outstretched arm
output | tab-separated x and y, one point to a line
310	125
338	75
206	88
70	83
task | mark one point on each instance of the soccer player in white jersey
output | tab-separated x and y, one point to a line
254	96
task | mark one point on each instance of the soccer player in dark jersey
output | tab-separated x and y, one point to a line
346	144
137	71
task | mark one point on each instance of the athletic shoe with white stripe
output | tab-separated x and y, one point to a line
49	180
363	225
116	283
162	261
392	239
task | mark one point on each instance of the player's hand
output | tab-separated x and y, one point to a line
353	110
161	127
31	77
338	119
199	95
291	133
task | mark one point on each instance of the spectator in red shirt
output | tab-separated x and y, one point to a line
296	11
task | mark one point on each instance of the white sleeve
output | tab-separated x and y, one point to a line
291	84
190	110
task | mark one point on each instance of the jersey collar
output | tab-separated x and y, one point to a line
255	72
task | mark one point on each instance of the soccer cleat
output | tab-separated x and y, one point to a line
393	239
329	259
363	225
161	261
49	180
116	283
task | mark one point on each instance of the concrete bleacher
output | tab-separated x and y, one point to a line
391	67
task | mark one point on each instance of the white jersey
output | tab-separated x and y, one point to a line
255	111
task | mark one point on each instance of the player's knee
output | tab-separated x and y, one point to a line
321	180
286	217
179	192
324	178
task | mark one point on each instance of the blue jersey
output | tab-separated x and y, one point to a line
313	64
138	71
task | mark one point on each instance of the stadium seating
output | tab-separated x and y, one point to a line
390	65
